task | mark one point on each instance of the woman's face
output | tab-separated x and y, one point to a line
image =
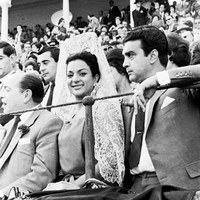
29	68
79	79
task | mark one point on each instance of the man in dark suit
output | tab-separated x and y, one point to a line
47	61
169	149
139	15
113	13
29	154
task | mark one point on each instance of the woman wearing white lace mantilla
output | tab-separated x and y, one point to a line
88	74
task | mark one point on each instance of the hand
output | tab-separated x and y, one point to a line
197	196
142	93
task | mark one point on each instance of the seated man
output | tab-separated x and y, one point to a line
28	155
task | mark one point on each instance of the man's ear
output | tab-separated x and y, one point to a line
97	77
13	59
27	95
153	56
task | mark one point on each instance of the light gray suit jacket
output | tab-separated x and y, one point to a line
31	160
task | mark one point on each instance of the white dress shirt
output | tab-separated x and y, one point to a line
145	163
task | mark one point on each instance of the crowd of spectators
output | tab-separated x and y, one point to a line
112	26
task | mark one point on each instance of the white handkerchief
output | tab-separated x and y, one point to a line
23	141
167	101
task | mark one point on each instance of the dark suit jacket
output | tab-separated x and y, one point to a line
172	138
114	12
31	160
140	17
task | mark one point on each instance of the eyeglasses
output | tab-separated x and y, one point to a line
168	19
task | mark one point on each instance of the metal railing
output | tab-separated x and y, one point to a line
88	102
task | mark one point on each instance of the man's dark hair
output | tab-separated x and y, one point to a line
54	51
151	38
178	50
8	50
34	83
89	59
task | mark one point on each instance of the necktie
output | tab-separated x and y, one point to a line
49	101
136	145
10	135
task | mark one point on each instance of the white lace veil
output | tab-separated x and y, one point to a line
89	42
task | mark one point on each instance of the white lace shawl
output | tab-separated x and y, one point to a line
107	118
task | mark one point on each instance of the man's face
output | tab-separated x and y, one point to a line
5	64
27	48
48	66
136	63
169	20
111	3
12	96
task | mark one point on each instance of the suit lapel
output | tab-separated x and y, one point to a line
151	106
29	122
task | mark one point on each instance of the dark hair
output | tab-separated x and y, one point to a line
33	56
32	63
34	83
179	50
89	59
37	44
151	38
19	65
115	59
8	50
53	50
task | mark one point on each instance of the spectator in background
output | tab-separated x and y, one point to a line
179	53
93	23
173	13
186	32
171	25
35	47
156	21
18	66
103	37
183	7
195	53
125	16
101	17
121	79
106	16
33	57
26	52
61	24
47	61
162	12
20	39
113	13
196	28
195	8
139	15
31	66
7	63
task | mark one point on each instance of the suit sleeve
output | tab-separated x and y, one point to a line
187	78
45	160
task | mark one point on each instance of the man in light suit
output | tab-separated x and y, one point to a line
7	63
170	145
30	160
